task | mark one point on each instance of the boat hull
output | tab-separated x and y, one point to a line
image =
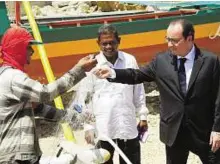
143	55
142	35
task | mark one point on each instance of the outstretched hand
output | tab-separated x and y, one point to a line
103	73
87	63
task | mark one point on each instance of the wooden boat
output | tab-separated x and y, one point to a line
69	39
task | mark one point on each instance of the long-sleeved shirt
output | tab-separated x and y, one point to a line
18	138
114	105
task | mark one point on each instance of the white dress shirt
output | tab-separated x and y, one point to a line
188	64
115	105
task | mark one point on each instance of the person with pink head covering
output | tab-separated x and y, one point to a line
14	47
18	139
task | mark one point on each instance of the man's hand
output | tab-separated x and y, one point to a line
90	136
143	125
87	63
103	73
215	141
142	130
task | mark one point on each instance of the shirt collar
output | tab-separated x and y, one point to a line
190	55
103	61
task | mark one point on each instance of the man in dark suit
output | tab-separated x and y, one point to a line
188	81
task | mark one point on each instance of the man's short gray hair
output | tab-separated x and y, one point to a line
107	29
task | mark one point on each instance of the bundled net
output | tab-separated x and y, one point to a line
79	110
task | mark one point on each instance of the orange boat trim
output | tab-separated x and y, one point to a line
152	38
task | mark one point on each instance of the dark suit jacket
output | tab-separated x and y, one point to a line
199	109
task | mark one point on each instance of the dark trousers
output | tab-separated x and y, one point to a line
131	148
186	141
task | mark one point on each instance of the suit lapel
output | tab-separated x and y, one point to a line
196	67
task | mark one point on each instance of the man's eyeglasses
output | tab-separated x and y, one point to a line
173	40
112	43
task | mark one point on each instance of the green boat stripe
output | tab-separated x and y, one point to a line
4	22
124	28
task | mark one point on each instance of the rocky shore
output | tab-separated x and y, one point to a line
77	8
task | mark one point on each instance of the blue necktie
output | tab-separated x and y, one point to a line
182	76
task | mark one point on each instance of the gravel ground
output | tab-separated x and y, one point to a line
152	152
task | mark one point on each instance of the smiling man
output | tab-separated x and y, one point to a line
188	81
115	106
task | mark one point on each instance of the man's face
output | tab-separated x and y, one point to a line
30	52
108	45
177	44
